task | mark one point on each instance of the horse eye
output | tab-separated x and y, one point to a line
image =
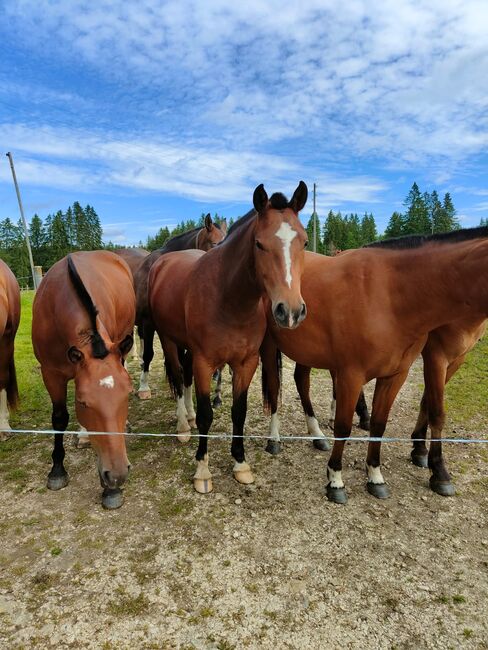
305	244
259	245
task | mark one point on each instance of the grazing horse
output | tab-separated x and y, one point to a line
204	239
386	298
83	317
211	305
9	323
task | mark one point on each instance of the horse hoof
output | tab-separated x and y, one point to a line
57	482
378	490
112	499
192	423
183	436
444	488
245	477
217	402
203	485
364	424
322	444
337	495
419	460
273	447
144	394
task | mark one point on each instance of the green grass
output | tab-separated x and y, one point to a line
467	392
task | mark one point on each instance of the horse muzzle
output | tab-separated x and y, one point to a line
289	318
113	479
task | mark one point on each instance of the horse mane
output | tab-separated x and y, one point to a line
98	345
174	243
279	201
240	222
417	241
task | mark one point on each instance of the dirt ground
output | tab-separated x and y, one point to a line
272	565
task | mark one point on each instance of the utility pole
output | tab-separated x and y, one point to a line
34	278
314	217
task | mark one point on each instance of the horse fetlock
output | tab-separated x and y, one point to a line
243	473
334	478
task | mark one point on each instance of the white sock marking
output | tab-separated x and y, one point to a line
374	475
274	427
313	427
181	415
335	478
107	382
143	382
4	423
82	432
187	396
286	233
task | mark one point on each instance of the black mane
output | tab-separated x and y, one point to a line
240	222
416	241
98	346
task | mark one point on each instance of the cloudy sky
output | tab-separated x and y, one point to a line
158	111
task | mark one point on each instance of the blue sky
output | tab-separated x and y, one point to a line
154	112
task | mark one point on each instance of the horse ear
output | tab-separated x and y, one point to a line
299	197
260	198
75	355
208	222
126	345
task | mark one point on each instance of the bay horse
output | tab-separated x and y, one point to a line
387	297
9	323
83	318
202	238
211	305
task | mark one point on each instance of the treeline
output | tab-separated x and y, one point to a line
341	232
59	234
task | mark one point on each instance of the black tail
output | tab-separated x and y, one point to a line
98	346
12	389
264	382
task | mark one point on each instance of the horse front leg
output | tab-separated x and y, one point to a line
148	329
385	391
202	373
56	386
241	378
302	382
270	384
347	389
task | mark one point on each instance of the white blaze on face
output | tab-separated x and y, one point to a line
286	233
107	382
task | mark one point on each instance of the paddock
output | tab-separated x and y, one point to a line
269	565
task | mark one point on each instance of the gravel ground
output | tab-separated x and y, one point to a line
272	565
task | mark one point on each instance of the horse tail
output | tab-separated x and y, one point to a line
265	382
12	388
98	345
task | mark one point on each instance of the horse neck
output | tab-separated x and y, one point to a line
239	286
451	286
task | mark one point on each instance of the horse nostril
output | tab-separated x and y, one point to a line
106	477
303	311
280	311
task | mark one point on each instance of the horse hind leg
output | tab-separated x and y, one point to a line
8	386
4	415
217	400
270	380
419	451
144	391
174	375
202	479
186	360
302	382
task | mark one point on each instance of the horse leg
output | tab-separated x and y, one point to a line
347	389
362	411
140	335
419	451
241	378
332	401
202	372
4	415
270	379
56	386
436	376
302	382
217	400
385	391
187	363
8	384
174	374
144	391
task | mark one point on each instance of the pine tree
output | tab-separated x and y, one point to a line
94	241
395	226
159	239
81	228
416	220
449	221
368	229
484	222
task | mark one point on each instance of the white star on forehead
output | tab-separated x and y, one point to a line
286	233
107	382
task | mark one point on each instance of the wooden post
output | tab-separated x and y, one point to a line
34	277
